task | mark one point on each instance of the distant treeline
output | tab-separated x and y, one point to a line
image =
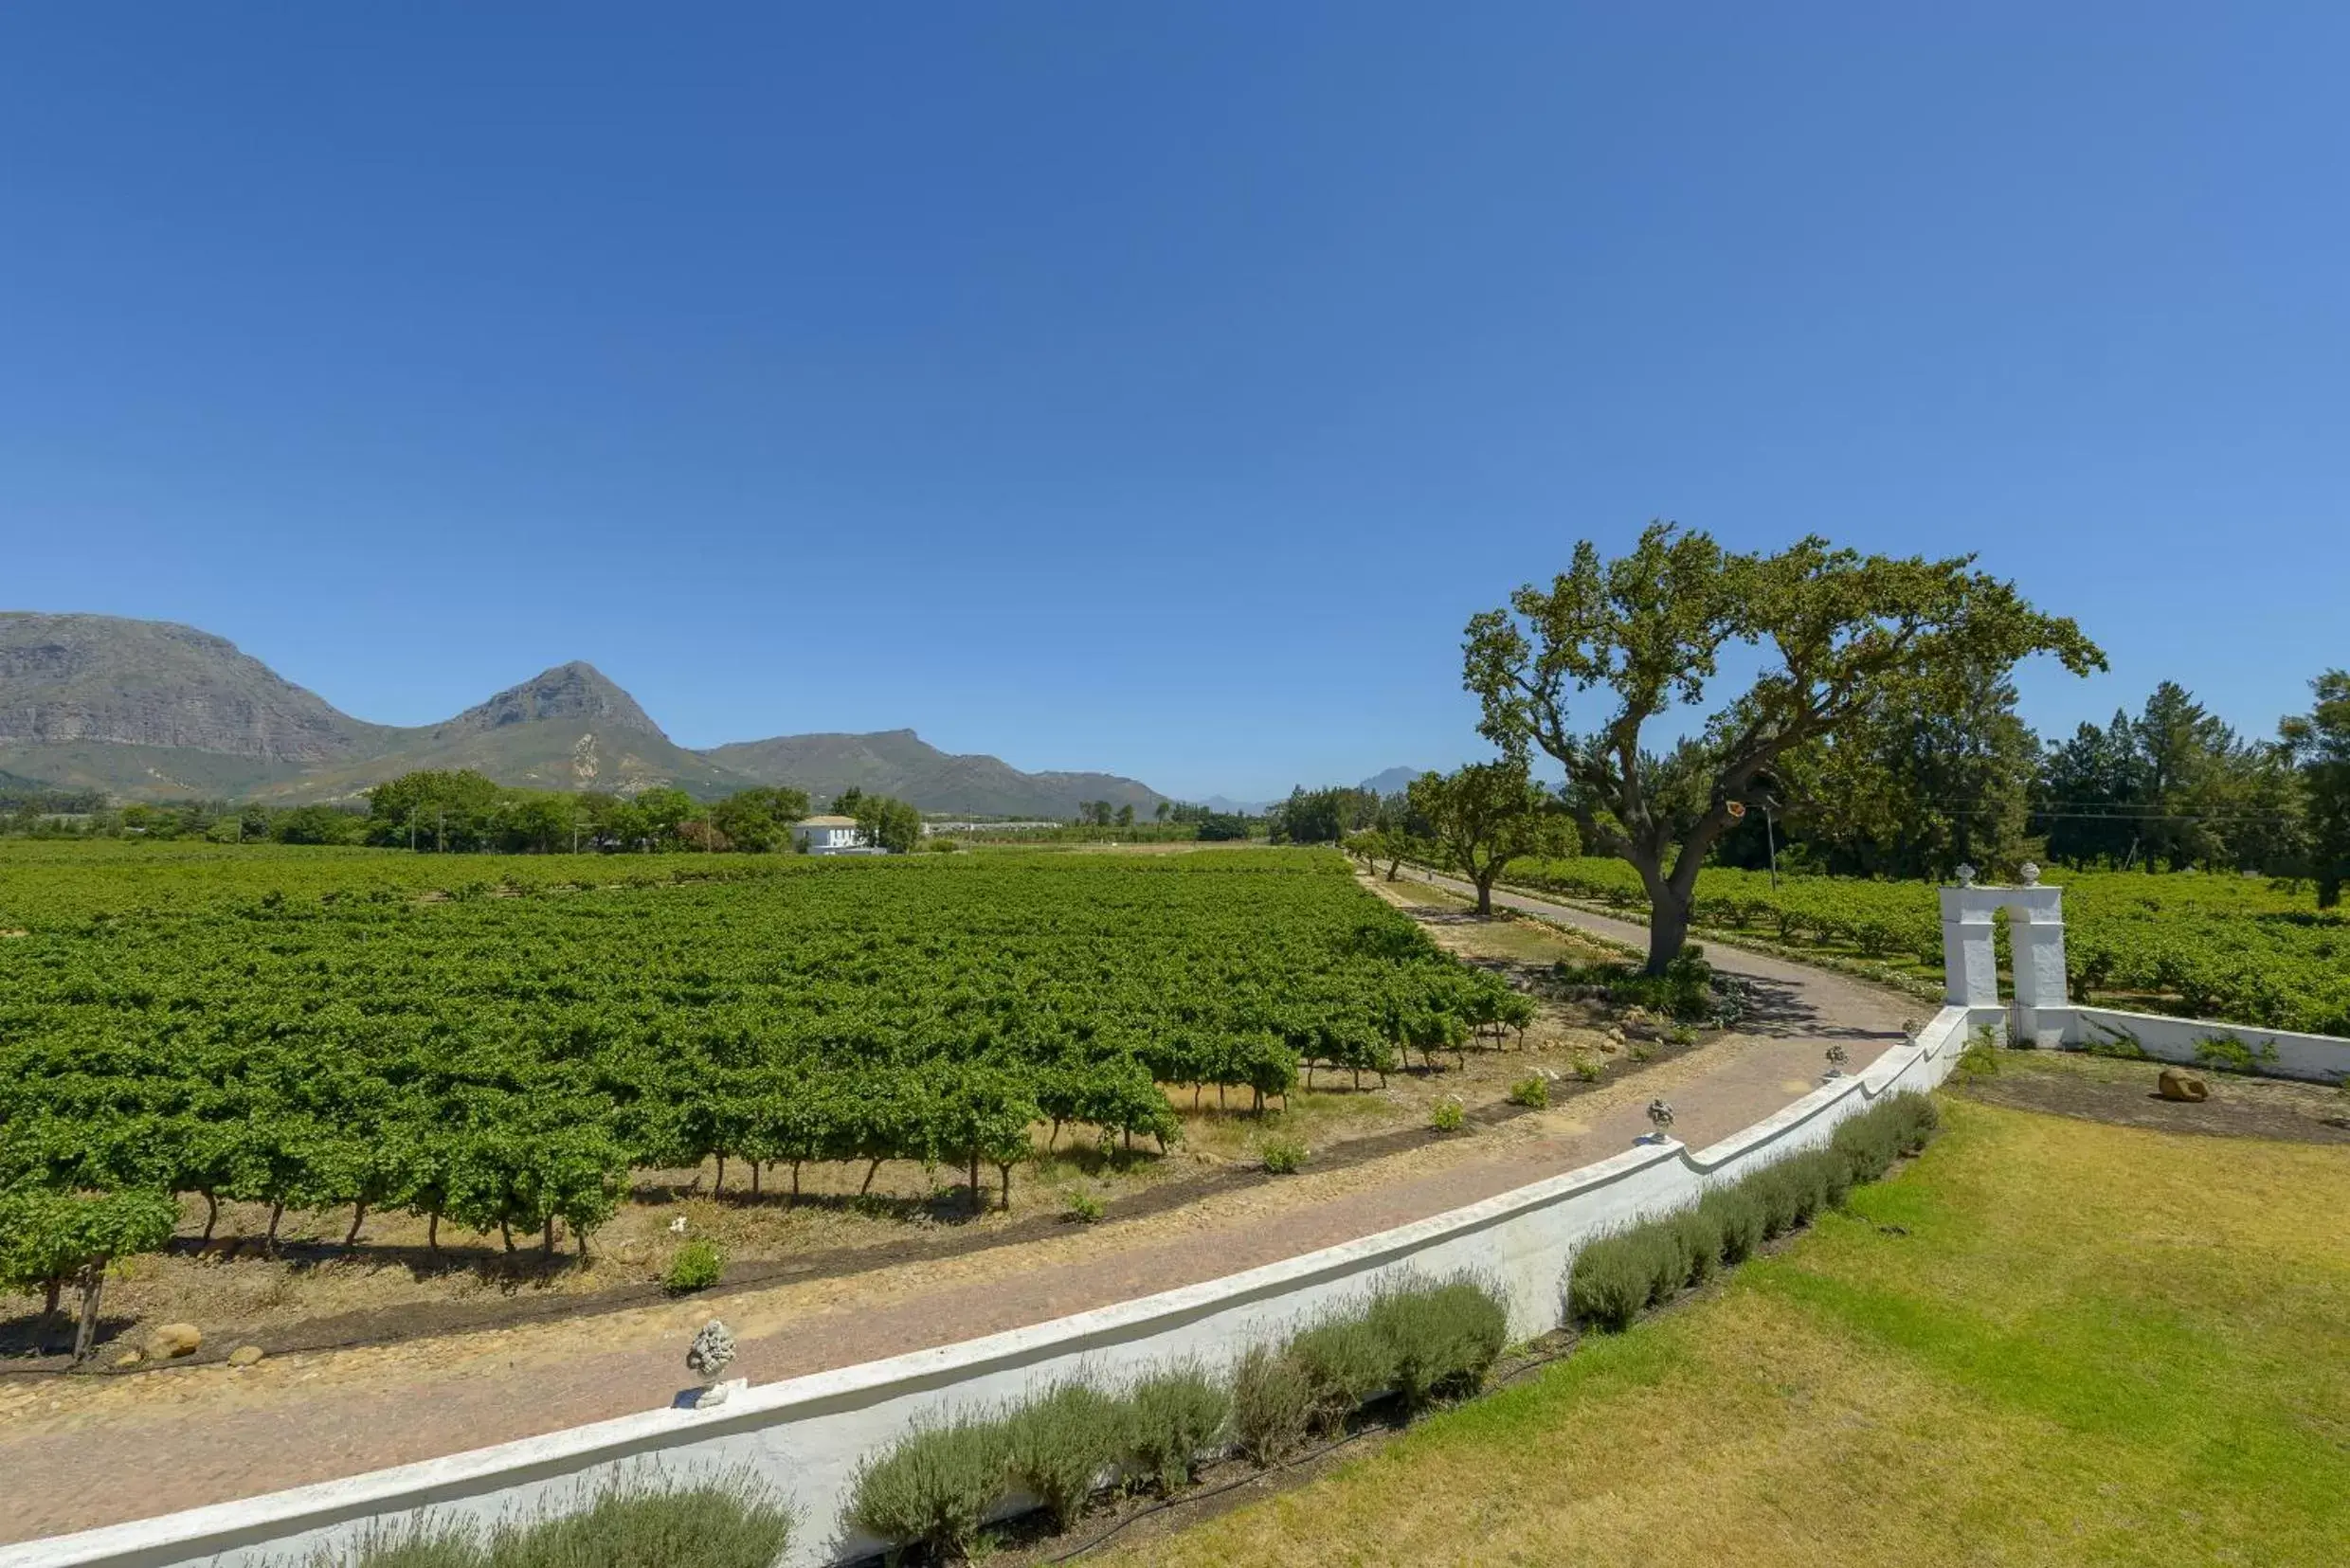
1916	794
463	812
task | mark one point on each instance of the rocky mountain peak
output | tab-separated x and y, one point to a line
574	691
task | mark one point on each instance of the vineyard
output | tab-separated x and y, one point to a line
2232	949
373	1032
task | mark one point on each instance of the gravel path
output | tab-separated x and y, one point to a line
79	1453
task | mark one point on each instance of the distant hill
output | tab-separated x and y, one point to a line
148	709
900	762
1391	780
151	708
568	728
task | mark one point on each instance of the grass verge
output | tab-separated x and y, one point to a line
2045	1341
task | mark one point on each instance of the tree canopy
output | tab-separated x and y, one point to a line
1583	668
2318	741
1486	815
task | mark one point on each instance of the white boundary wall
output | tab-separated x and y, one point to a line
806	1436
2320	1058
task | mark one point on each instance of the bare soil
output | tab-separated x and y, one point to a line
2105	1089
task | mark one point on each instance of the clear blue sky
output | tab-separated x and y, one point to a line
1149	386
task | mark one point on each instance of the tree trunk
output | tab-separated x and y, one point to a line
979	1199
547	1243
1668	930
277	1212
1007	1189
93	1285
718	1186
1485	893
55	1288
432	1232
211	1216
754	1179
869	1173
795	1183
358	1218
505	1228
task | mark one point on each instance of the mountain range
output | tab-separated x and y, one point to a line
150	710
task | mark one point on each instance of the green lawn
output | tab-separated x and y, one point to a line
2046	1342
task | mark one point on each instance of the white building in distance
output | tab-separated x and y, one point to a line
827	835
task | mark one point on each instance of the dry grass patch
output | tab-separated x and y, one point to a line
2046	1342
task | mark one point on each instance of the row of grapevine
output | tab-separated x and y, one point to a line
2229	949
506	1062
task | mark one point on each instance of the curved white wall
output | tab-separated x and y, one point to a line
806	1436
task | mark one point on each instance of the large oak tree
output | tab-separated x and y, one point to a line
1583	667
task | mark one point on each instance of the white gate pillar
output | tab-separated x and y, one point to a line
1970	963
2036	934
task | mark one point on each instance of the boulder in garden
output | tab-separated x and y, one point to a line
2174	1085
174	1339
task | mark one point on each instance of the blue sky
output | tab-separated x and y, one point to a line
1155	388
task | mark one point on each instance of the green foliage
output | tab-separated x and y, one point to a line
1853	639
50	1236
1284	1156
1685	989
2200	945
1980	1059
1533	1093
1171	1419
1447	1115
696	1267
1618	1276
2114	1041
1588	1069
1345	1362
1273	1404
278	1026
2227	1053
1083	1207
2318	742
1440	1340
1487	814
632	1524
1737	1217
1060	1446
936	1487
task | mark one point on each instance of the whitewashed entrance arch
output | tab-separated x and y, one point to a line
2036	931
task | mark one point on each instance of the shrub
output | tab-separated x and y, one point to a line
1700	1233
1448	1116
1588	1069
1608	1282
1346	1364
1681	1033
1273	1404
1284	1156
735	1525
1532	1092
631	1523
2113	1040
1171	1419
696	1267
1774	1191
1083	1207
2227	1053
1060	1445
936	1487
1640	1051
1440	1340
1868	1146
1738	1215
